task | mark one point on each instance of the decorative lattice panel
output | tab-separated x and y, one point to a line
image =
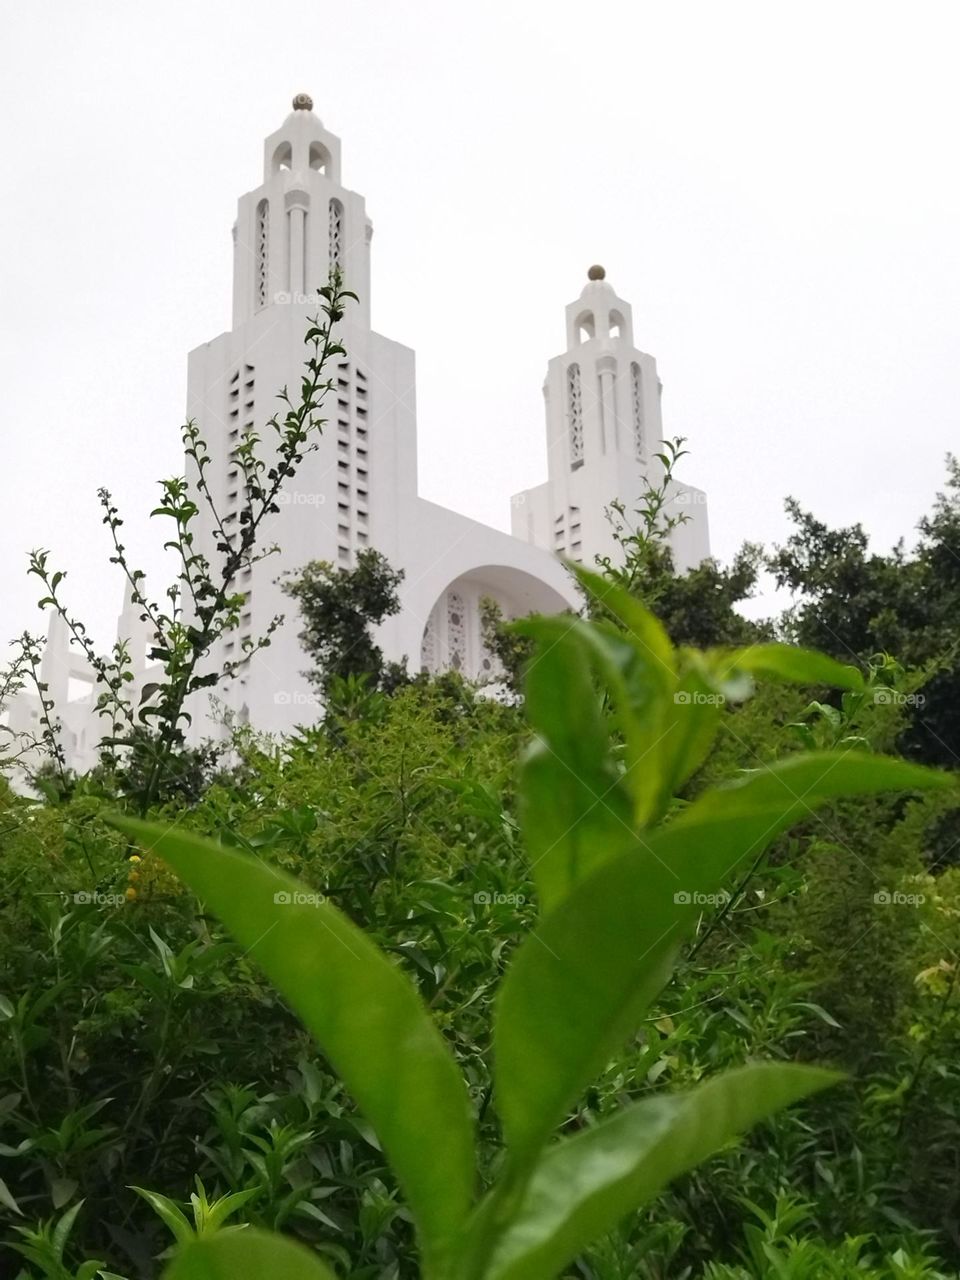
263	253
575	415
636	388
456	631
336	233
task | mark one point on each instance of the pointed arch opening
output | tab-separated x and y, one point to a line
585	326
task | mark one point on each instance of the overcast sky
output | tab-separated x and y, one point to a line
774	187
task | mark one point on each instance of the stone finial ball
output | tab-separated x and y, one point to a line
303	102
596	273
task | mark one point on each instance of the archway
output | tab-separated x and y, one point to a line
452	637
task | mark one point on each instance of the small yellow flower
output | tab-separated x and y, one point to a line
134	857
130	894
134	874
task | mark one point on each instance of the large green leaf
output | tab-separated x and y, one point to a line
578	985
578	804
637	663
364	1013
646	630
245	1254
584	1185
573	806
799	666
690	724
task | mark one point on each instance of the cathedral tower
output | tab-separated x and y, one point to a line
604	430
358	489
290	232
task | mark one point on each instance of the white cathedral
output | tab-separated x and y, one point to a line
359	488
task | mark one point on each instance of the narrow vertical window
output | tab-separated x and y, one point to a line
575	415
636	389
262	278
336	234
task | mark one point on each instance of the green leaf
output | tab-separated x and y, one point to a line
800	666
239	1252
645	630
6	1197
173	1216
578	985
821	1013
584	1185
641	680
362	1010
573	807
689	727
224	1208
786	790
91	1269
62	1190
61	1232
147	977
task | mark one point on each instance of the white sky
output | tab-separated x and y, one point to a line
774	186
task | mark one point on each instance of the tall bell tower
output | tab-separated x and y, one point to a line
604	431
290	232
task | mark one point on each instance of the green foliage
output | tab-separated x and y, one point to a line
772	1252
505	1065
614	916
511	650
251	1253
640	533
699	607
208	1216
338	607
855	603
204	605
46	1247
365	1015
403	822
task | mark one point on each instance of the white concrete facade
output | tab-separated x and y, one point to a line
359	488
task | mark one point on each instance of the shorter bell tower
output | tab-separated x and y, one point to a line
604	431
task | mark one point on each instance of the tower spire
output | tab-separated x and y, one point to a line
300	223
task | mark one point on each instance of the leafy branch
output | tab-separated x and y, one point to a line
203	605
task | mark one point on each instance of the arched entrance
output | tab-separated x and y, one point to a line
452	638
